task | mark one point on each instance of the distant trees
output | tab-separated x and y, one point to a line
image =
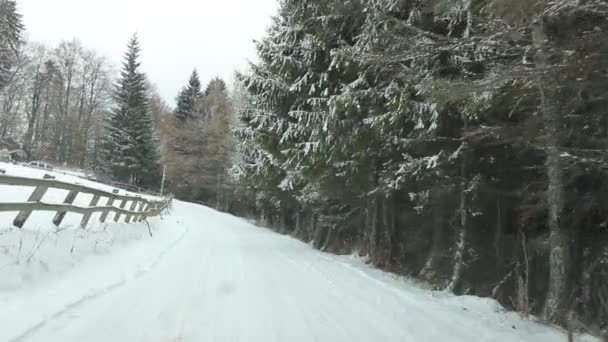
59	104
444	139
218	147
130	149
52	100
198	143
56	102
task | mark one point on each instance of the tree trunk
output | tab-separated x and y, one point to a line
373	236
318	234
463	210
27	139
469	28
311	227
388	229
283	221
263	220
328	237
498	235
428	272
218	191
367	224
558	236
33	117
372	210
298	229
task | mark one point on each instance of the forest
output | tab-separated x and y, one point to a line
463	143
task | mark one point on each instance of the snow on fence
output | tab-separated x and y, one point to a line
134	188
139	208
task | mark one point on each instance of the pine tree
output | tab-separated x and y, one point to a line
216	84
11	28
130	151
302	131
188	98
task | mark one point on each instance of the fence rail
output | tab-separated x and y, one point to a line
139	209
134	188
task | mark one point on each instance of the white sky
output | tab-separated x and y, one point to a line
213	36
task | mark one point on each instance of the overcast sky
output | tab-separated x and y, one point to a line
213	36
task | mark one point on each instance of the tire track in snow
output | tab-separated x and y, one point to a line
99	293
324	307
277	275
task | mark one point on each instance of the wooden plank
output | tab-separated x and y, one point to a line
36	196
123	204
87	217
152	208
40	206
148	209
69	199
142	206
131	208
52	183
110	202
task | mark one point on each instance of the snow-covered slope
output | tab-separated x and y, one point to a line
42	256
208	276
40	249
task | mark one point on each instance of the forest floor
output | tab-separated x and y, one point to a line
208	276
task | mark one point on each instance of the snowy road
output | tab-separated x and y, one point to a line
225	280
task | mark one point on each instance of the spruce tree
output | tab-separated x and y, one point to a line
215	84
130	150
11	28
309	140
188	98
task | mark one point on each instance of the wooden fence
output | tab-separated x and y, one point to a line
138	210
134	188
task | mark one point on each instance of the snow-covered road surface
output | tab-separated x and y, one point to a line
218	278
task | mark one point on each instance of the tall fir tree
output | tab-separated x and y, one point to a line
11	29
130	151
215	84
188	98
311	138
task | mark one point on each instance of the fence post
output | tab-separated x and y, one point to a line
143	213
36	196
69	199
110	202
142	205
123	204
131	208
87	216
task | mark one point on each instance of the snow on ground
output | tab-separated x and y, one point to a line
207	276
42	256
41	249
